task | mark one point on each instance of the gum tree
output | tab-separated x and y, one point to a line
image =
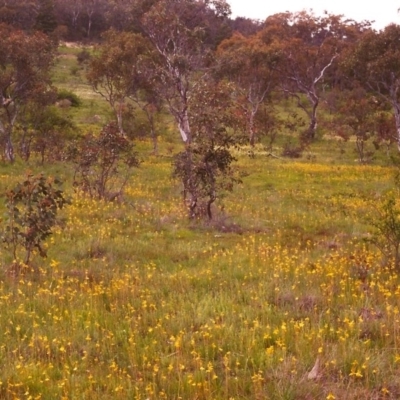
117	71
25	62
205	167
177	30
374	62
249	63
309	47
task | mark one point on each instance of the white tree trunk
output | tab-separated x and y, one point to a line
184	126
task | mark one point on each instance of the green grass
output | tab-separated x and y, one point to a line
136	301
68	74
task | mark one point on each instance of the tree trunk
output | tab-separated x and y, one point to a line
119	112
154	137
252	133
150	117
184	127
89	14
396	108
9	149
312	127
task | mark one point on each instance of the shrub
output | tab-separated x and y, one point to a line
83	56
64	94
103	163
386	225
292	151
204	172
32	208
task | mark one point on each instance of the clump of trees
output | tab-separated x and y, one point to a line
373	63
78	20
220	87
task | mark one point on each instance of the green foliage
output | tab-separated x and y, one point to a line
103	163
50	134
32	208
65	94
204	172
204	167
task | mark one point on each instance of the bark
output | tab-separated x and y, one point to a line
25	147
153	134
184	126
252	132
389	93
313	118
9	149
119	112
255	98
310	90
396	108
89	23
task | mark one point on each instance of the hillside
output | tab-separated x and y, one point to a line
282	295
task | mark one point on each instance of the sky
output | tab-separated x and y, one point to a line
383	12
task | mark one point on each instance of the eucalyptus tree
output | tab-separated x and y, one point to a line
177	30
250	64
25	62
46	20
374	62
20	14
69	14
117	71
205	167
309	46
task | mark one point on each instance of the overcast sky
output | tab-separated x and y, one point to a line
382	11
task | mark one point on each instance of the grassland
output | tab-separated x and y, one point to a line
282	296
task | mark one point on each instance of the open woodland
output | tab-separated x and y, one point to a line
195	207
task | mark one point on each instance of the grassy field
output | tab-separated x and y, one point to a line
281	296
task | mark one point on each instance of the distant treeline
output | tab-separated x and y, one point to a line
80	20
